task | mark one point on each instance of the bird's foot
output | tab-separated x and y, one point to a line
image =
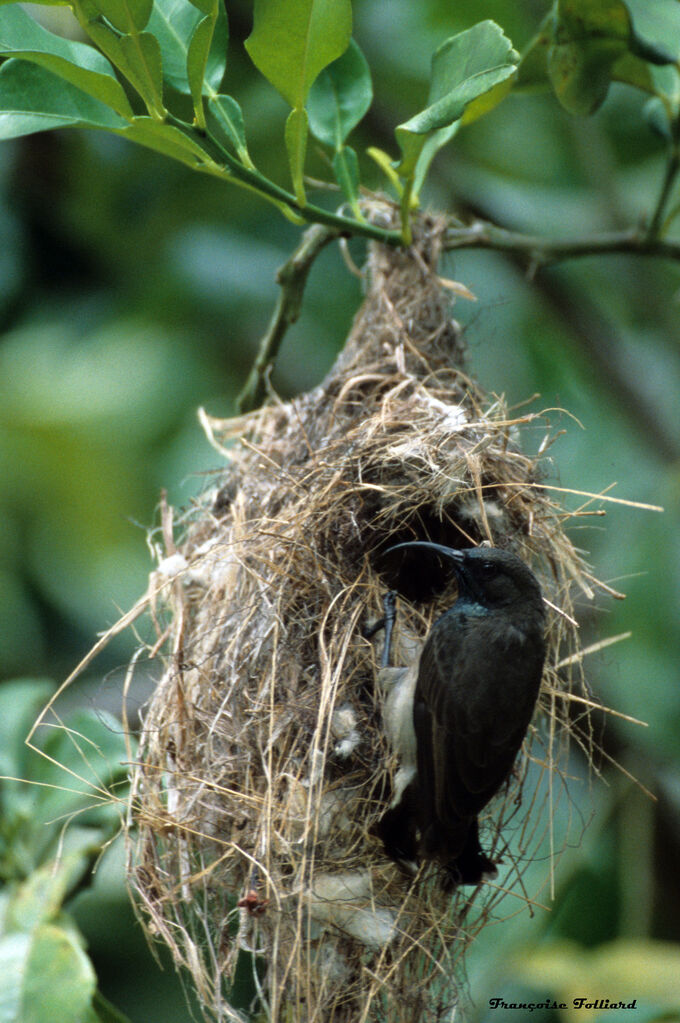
390	605
397	832
458	872
386	623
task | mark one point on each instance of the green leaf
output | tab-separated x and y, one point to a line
14	952
45	976
105	1012
197	58
656	117
190	59
21	700
471	73
657	23
532	71
386	165
293	40
216	64
125	15
82	65
651	52
340	97
42	3
207	6
229	121
39	899
84	763
173	22
628	965
137	57
631	70
34	99
165	139
207	59
297	128
436	141
588	41
142	55
663	112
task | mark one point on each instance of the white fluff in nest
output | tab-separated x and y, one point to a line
345	901
472	510
172	565
176	567
333	965
432	418
344	729
331	811
209	564
453	416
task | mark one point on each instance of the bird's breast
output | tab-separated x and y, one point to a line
480	670
398	688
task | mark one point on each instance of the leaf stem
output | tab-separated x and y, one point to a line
227	165
292	276
540	251
656	224
405	204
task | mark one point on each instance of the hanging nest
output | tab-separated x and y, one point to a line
263	765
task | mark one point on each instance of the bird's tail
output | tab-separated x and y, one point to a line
397	827
457	848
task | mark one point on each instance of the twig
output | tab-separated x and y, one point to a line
656	224
528	250
292	277
220	163
588	328
538	251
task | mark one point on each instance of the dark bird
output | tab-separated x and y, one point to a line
470	699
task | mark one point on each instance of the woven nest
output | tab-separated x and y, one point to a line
263	765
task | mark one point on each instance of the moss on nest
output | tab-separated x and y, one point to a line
263	766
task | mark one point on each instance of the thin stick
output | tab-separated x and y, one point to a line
540	251
292	277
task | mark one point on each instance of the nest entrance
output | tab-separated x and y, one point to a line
264	766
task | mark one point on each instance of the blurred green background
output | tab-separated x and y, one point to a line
132	291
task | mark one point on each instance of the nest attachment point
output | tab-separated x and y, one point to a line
263	765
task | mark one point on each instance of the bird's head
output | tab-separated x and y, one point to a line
490	576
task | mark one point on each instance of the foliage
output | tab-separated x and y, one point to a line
133	293
645	970
60	807
166	50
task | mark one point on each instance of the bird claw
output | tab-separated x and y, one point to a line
390	605
386	623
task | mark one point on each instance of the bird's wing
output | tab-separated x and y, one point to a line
477	686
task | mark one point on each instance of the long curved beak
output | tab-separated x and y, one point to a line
448	552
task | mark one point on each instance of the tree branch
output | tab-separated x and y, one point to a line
532	252
538	251
292	276
589	330
223	164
